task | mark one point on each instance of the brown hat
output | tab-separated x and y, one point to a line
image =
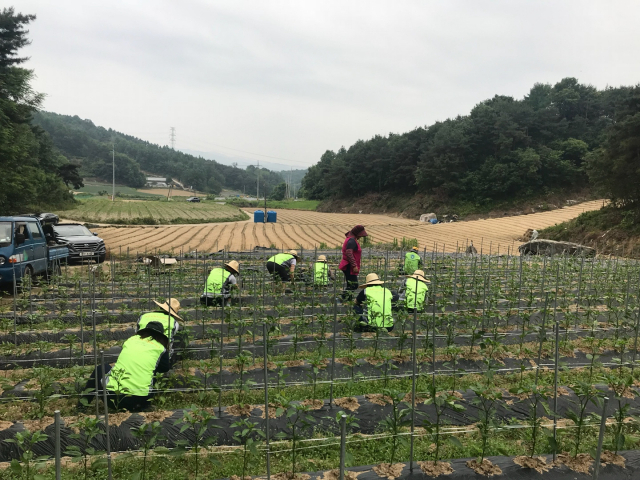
418	275
175	306
233	265
322	258
358	231
372	279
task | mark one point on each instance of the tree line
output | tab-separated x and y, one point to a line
556	137
35	175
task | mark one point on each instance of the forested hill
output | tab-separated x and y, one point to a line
504	149
91	146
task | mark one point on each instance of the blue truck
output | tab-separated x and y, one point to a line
24	251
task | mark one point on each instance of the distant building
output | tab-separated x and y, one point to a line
156	181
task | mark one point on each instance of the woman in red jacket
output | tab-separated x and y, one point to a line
351	254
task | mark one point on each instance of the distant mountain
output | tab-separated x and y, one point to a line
91	147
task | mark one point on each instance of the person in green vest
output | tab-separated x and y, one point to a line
321	272
413	294
167	316
219	284
130	381
374	304
283	265
412	261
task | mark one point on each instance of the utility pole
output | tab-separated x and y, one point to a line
173	138
258	184
113	158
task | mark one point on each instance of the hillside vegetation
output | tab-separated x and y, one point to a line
91	147
34	176
505	149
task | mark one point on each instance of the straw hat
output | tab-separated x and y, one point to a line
418	275
294	253
175	307
233	265
322	258
372	279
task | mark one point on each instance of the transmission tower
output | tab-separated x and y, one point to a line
173	138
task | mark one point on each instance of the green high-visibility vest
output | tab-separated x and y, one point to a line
133	372
320	273
378	306
411	299
167	321
216	280
411	263
280	258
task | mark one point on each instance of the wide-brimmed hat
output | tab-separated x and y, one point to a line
153	327
372	279
294	253
233	265
358	231
175	306
322	258
419	275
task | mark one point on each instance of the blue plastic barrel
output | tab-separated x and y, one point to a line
258	216
272	216
433	221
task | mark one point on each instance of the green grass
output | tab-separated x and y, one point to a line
158	212
94	188
271	204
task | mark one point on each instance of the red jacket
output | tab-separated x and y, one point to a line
350	256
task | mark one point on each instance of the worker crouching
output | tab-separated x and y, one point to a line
412	261
130	382
220	282
374	304
167	316
321	272
413	294
283	265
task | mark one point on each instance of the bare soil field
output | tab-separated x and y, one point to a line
164	191
310	229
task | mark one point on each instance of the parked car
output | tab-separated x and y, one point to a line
24	251
82	244
193	199
44	218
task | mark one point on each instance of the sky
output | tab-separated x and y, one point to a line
284	81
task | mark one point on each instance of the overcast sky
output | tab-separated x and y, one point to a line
292	79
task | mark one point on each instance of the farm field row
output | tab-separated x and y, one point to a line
152	212
297	229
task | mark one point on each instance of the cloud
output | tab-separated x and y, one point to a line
293	79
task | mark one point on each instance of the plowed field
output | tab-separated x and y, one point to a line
309	229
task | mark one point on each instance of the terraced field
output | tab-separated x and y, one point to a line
309	229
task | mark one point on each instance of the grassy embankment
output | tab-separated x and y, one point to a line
609	230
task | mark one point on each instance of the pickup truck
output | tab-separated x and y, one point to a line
24	251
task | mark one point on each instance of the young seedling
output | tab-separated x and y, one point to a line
198	421
89	428
23	466
147	435
248	435
396	422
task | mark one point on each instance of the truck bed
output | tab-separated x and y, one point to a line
57	252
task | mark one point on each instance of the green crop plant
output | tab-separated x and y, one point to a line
45	391
147	435
485	400
586	394
23	466
88	429
248	435
298	421
198	421
441	400
395	423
